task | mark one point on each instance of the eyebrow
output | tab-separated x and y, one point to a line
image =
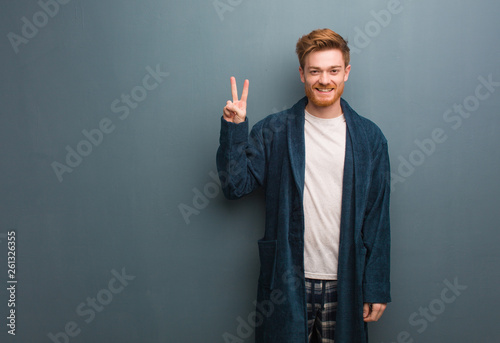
331	67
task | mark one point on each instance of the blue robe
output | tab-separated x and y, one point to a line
273	157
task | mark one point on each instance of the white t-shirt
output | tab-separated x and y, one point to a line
325	153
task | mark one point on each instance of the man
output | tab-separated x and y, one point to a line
325	171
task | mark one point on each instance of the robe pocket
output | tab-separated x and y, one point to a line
267	255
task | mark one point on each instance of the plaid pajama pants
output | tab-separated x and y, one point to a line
321	310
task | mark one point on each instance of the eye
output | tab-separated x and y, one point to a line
314	71
335	71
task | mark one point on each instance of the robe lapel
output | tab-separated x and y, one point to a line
355	153
348	195
296	143
360	159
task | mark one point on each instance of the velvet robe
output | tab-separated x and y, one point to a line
273	157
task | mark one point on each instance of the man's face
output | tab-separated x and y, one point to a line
323	76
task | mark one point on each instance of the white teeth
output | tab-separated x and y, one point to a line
324	89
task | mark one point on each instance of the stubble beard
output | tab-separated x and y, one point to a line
323	103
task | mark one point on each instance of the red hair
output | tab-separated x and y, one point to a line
321	39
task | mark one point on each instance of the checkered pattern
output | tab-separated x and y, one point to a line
321	310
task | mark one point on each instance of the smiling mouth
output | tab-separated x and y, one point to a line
324	90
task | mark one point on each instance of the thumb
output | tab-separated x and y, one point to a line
366	310
235	109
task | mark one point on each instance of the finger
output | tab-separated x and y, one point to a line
366	310
376	312
244	95
234	110
230	107
234	89
375	316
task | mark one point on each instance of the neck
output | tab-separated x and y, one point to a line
325	112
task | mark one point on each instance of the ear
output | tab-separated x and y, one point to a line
301	71
347	70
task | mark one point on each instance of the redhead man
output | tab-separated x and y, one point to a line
325	172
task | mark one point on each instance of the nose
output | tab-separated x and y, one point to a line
323	78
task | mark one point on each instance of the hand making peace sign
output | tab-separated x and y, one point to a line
235	111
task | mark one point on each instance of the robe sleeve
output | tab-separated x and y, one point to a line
240	159
376	231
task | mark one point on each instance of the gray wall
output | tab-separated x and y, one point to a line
85	210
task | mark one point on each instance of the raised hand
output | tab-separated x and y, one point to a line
235	111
